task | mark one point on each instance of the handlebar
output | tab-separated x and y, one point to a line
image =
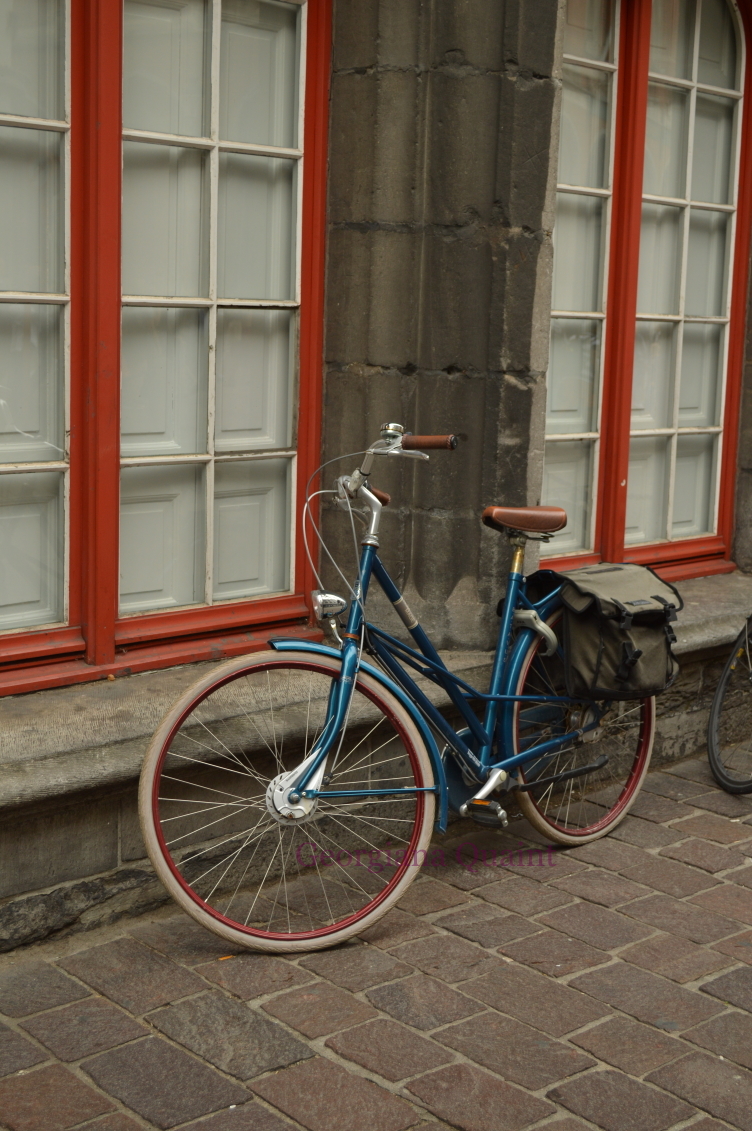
413	443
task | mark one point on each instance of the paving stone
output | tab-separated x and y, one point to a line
389	1049
84	1028
668	785
250	975
609	854
34	986
727	804
682	919
252	1116
535	999
599	886
735	988
325	1097
470	1099
450	959
523	896
712	1085
738	947
514	1051
464	876
183	940
482	923
132	975
554	953
708	1125
595	925
695	769
729	1035
617	1103
729	900
645	834
396	927
16	1052
162	1083
628	1045
669	877
714	828
701	854
423	1002
49	1099
319	1009
646	996
427	896
651	807
356	967
115	1122
674	957
743	876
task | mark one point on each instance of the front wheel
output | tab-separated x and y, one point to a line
235	863
729	730
582	808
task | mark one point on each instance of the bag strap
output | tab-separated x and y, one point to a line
629	657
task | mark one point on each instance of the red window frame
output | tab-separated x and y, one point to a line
694	557
96	642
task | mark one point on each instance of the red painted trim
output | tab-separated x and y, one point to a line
710	546
54	642
203	619
682	571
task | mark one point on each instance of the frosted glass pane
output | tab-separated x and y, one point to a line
660	258
165	56
31	383
706	263
567	483
666	141
31	549
693	486
165	362
255	227
165	222
577	252
583	149
702	356
259	72
32	46
162	537
588	29
254	370
251	528
716	65
647	487
653	376
573	373
711	160
672	37
31	210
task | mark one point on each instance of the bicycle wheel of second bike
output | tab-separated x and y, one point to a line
730	723
585	807
244	871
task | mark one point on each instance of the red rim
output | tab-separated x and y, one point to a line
282	662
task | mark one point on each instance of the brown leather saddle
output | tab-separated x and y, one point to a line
530	520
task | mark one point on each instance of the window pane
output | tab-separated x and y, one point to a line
258	72
165	207
702	357
577	252
711	160
693	488
672	37
165	56
573	375
31	210
251	528
583	152
32	34
255	227
647	488
165	362
254	364
666	141
31	383
31	549
716	65
653	378
660	259
588	29
162	532
567	483
706	263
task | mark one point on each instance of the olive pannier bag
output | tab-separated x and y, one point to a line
617	631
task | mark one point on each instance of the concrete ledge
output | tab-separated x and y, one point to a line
715	608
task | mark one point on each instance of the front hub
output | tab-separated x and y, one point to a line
278	802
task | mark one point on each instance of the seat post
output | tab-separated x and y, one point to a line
518	540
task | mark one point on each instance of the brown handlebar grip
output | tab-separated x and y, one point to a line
412	443
382	496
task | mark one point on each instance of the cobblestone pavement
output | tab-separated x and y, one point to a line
609	986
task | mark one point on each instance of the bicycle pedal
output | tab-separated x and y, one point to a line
486	812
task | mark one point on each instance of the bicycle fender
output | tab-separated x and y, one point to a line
286	644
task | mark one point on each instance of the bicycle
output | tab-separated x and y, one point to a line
729	732
289	797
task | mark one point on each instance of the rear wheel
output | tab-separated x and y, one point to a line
585	807
730	724
233	861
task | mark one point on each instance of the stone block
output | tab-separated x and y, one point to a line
84	1028
16	1052
738	947
423	1002
469	35
617	1103
33	986
669	785
50	1099
131	840
734	988
645	834
132	975
524	158
354	34
356	967
719	829
523	896
683	919
712	1085
401	33
597	926
554	954
251	975
530	35
675	958
726	804
450	959
646	997
320	1009
388	1049
729	1036
396	927
396	166
599	886
530	997
462	147
481	923
183	940
629	1046
729	900
250	1117
352	128
669	877
454	299
428	896
473	1100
